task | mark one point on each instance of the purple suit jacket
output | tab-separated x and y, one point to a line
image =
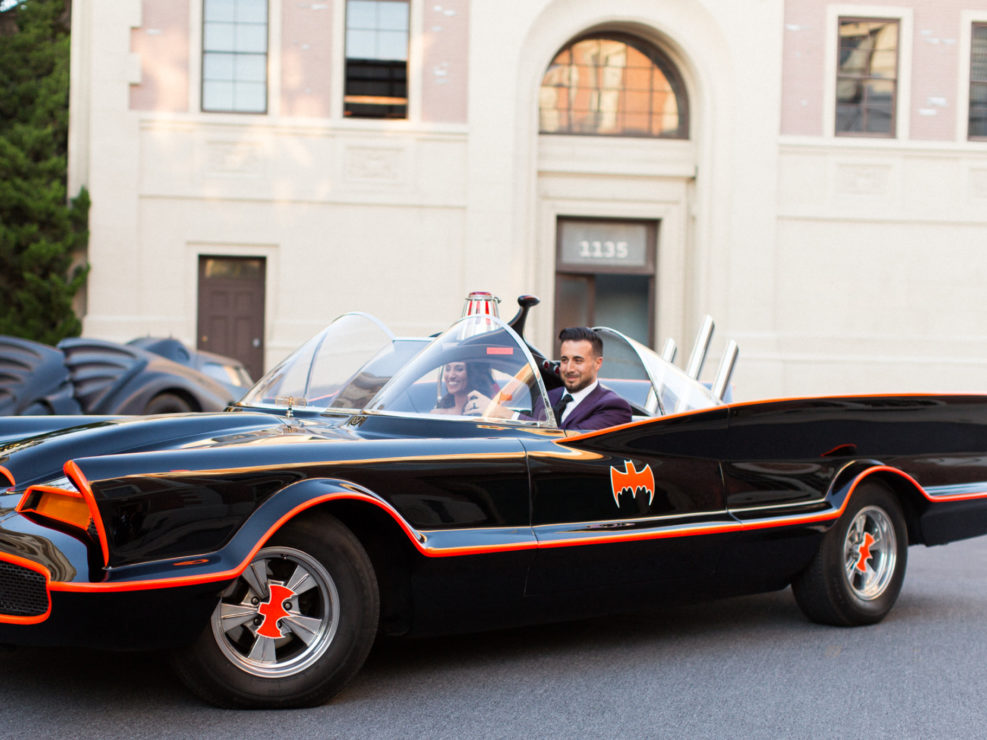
601	408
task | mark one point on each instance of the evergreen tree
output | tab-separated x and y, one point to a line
41	234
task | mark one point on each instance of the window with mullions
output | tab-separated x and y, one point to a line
867	78
613	85
978	82
234	56
376	59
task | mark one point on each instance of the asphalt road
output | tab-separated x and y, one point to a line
749	667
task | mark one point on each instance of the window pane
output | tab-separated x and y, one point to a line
218	37
978	109
219	10
361	44
251	38
251	67
572	298
251	11
217	66
392	45
622	303
217	96
603	85
392	16
250	97
361	14
878	105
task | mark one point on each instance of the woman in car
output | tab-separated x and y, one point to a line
461	378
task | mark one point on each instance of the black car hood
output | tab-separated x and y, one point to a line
40	457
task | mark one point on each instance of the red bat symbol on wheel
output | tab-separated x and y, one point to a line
863	552
273	610
633	480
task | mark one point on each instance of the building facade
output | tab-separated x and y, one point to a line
812	174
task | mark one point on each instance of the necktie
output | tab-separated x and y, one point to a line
559	408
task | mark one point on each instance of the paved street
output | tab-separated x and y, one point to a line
738	668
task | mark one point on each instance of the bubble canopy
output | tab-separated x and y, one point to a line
357	364
342	367
479	354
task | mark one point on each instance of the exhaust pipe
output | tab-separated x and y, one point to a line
669	350
700	349
725	370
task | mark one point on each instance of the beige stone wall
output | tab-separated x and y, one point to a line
838	264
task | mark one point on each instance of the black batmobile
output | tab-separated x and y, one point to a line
267	545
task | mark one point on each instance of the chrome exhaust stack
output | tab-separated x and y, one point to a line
700	349
725	371
669	351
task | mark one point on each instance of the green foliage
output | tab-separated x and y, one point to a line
42	235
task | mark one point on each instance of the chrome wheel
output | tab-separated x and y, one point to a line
856	574
870	551
280	616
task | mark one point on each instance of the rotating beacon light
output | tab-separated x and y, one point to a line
481	302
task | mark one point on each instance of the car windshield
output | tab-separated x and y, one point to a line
342	366
479	355
650	384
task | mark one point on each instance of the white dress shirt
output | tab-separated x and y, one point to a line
576	398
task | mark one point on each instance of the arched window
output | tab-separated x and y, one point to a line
611	84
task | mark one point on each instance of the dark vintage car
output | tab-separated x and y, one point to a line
93	376
267	546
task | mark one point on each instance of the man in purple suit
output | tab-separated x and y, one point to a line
583	403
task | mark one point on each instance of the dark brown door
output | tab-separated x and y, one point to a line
231	309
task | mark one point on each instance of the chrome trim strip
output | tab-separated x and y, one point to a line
789	505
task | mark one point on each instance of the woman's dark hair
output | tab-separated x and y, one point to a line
478	378
580	334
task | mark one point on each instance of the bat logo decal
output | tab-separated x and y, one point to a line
633	480
863	552
273	610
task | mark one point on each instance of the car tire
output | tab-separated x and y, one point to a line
167	403
856	574
294	628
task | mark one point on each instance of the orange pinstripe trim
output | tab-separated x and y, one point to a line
8	475
686	531
37	568
76	476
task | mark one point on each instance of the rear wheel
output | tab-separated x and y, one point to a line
294	628
857	573
167	403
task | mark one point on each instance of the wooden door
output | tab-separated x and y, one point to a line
231	309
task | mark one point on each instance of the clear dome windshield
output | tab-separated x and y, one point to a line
648	382
479	360
342	366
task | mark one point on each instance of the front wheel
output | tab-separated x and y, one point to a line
294	628
856	575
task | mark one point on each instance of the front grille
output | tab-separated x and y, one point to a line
22	591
